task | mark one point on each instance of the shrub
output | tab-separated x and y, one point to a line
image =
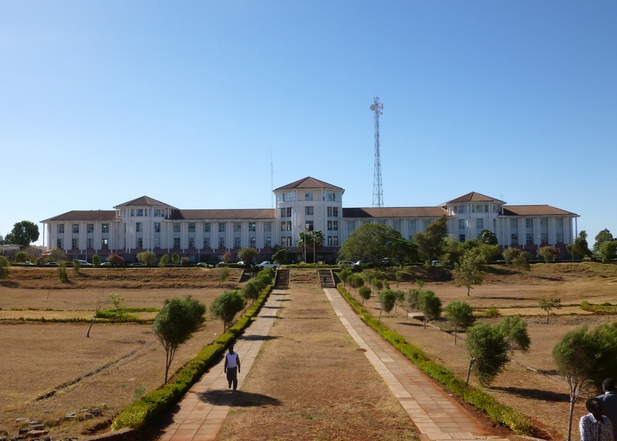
115	260
76	266
164	260
62	274
175	259
20	257
5	268
147	257
96	260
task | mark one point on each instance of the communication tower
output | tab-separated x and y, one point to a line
377	107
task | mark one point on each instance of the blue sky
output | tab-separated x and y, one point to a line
194	103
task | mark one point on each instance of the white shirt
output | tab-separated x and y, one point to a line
232	360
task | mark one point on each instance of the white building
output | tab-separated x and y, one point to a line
145	224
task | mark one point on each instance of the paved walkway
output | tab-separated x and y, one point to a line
200	414
437	415
203	409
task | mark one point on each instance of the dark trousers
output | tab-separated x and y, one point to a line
232	377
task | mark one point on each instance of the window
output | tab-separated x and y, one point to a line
267	227
206	242
252	242
157	212
559	230
381	221
132	212
334	225
59	243
140	242
329	196
529	238
351	226
140	212
479	225
308	196
544	238
529	223
396	224
60	229
157	242
514	239
105	228
191	242
157	227
544	223
221	227
176	227
90	228
280	198
221	242
461	238
461	225
192	227
176	242
138	227
75	244
252	227
286	226
75	228
290	197
329	225
267	241
90	243
207	227
309	225
287	241
332	211
330	241
514	224
462	209
105	243
308	211
411	226
237	227
335	241
237	242
559	237
426	223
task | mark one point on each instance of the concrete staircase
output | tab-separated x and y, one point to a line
326	278
281	280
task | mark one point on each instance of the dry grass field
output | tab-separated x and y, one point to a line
121	361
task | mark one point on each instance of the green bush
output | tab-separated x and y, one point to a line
5	268
149	407
602	309
483	401
96	260
62	274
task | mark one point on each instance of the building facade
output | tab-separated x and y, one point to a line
145	224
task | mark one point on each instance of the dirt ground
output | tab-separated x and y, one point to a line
317	382
125	360
38	357
540	395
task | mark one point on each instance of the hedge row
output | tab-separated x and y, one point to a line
472	395
153	404
606	308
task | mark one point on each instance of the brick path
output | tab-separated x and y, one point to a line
437	415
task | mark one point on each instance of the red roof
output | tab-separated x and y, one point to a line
83	215
309	182
375	212
535	210
144	201
473	197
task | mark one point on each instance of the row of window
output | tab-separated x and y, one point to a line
176	243
237	226
308	211
475	208
89	228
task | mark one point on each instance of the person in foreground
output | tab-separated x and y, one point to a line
232	367
609	401
595	426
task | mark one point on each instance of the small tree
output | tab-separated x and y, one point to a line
607	251
579	248
549	252
460	314
400	276
365	293
96	260
223	275
76	266
250	292
356	281
387	299
62	274
247	255
468	271
344	276
226	306
147	257
411	300
57	254
5	268
175	259
488	351
430	305
515	331
175	324
164	260
24	233
377	284
549	304
21	257
227	257
280	256
115	260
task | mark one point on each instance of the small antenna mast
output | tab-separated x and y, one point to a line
377	107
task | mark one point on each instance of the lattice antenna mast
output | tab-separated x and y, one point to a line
377	107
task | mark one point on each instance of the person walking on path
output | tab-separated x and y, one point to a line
609	401
595	426
232	367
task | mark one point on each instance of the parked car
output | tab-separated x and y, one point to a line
27	262
105	264
349	264
435	262
267	264
84	263
51	264
137	264
204	264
